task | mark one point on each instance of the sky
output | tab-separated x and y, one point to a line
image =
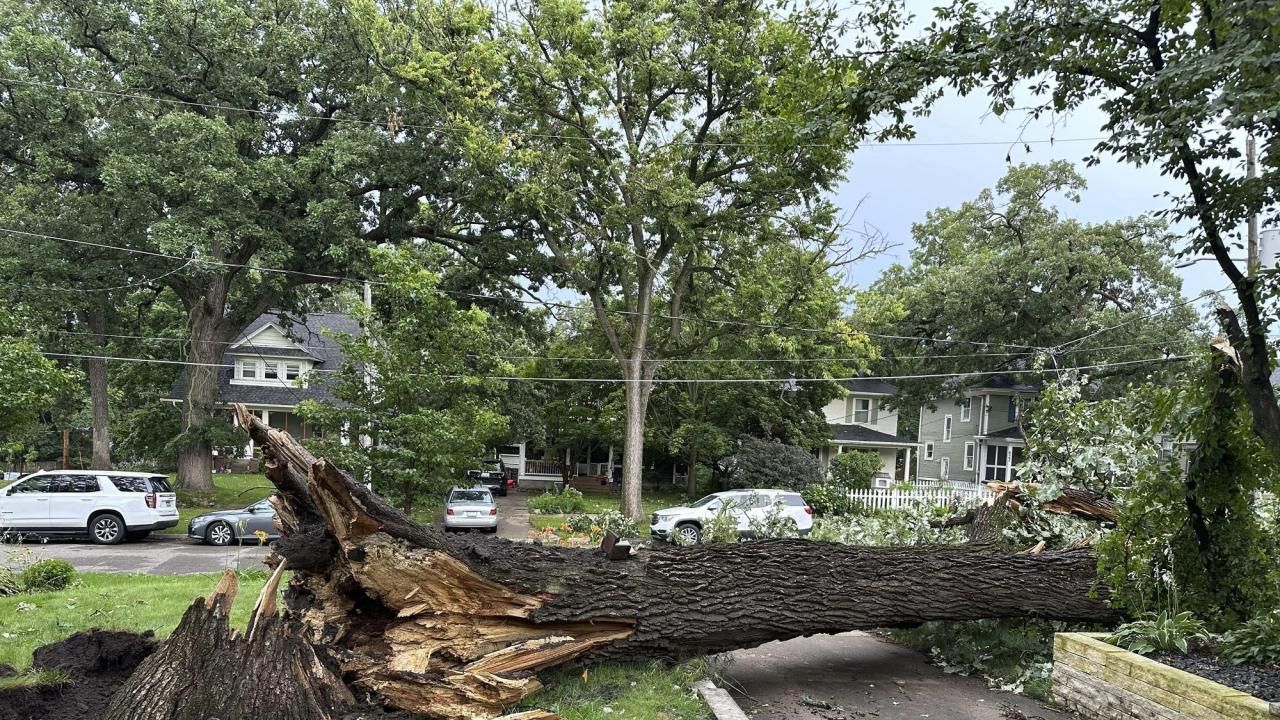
898	184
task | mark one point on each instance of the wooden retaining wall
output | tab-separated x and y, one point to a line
1103	682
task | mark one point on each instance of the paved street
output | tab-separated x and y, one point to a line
176	555
157	555
861	676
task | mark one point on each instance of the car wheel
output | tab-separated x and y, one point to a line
107	529
219	534
688	534
138	535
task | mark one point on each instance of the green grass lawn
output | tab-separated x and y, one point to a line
230	492
597	503
623	690
112	602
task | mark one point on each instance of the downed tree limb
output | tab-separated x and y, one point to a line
1082	503
457	626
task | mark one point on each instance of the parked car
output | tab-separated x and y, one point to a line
685	524
230	526
471	509
107	506
492	474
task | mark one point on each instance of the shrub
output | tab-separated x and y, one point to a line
855	470
1160	632
1256	642
829	500
563	503
48	576
597	525
771	464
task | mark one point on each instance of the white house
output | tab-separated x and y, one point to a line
862	420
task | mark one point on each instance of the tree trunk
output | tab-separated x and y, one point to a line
195	460
99	398
457	626
637	394
691	481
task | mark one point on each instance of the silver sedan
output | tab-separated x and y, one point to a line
470	509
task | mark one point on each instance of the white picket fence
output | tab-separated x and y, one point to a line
898	499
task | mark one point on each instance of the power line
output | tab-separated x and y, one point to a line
542	303
448	128
709	381
1147	316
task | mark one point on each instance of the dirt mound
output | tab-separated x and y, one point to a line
97	661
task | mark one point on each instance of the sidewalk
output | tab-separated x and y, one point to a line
859	676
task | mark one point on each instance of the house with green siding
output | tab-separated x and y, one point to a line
975	436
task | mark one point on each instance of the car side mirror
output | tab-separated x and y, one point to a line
253	510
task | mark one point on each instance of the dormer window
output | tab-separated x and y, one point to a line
270	371
248	369
292	371
862	410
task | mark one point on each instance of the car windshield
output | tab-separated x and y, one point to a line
470	496
705	501
490	464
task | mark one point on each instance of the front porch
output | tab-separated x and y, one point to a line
540	469
890	454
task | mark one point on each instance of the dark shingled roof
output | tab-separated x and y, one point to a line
1013	432
858	433
312	333
870	387
1004	382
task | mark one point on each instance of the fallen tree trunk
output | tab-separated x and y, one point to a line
457	626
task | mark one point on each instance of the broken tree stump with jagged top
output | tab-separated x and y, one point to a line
458	626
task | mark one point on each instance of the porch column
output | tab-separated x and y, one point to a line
906	467
608	473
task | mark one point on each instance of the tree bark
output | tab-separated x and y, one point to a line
99	397
205	350
457	626
637	397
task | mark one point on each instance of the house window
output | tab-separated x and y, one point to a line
270	371
1001	463
946	429
292	371
928	451
1013	409
966	410
248	369
862	410
945	472
970	451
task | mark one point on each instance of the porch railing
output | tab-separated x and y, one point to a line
543	467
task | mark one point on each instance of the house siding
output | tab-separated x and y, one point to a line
998	413
883	419
931	431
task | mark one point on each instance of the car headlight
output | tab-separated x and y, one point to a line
198	521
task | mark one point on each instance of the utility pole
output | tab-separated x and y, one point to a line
1251	172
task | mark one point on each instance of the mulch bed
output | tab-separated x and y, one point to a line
98	663
1259	681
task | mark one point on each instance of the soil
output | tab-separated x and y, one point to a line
1259	681
98	662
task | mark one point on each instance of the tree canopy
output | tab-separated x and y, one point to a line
1010	276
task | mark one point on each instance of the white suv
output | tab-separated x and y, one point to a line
106	505
685	524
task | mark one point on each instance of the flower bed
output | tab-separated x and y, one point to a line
1103	682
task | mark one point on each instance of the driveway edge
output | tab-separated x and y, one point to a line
718	699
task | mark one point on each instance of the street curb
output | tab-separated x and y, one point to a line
720	701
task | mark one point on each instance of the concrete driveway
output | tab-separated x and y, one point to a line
176	555
856	675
